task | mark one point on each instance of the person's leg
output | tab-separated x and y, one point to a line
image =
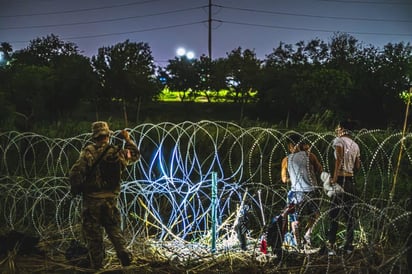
333	217
295	230
93	233
112	227
350	227
309	227
313	212
349	215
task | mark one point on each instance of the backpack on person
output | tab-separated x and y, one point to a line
103	175
110	169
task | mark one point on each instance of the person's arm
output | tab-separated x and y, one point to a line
315	163
357	163
338	163
131	151
78	171
284	171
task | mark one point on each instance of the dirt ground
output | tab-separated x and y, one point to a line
234	261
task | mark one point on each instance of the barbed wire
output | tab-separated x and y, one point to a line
166	195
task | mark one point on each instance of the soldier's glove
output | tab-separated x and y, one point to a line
125	134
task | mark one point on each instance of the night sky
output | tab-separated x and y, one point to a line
165	25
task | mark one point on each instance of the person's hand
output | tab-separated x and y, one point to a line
125	134
127	154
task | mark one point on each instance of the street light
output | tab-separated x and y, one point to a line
183	52
190	54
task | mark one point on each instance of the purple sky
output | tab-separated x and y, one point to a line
168	24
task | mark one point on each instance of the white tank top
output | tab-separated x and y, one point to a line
350	152
299	172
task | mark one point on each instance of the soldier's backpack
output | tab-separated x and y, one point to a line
110	168
105	173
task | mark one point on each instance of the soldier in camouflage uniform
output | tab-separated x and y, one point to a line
99	184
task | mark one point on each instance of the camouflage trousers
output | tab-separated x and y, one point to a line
102	214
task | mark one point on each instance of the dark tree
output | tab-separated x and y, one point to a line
127	73
183	76
42	51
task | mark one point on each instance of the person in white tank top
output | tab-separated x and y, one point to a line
347	162
300	169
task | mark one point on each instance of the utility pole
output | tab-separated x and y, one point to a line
210	30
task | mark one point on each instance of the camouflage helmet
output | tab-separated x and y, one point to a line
100	128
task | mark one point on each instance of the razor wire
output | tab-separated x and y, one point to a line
166	195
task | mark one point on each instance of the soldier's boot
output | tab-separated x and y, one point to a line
96	263
125	258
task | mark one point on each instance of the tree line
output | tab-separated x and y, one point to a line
50	79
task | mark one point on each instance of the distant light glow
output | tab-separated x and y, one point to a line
190	55
181	51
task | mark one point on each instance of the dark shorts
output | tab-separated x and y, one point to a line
310	204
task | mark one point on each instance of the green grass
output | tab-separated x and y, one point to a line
200	97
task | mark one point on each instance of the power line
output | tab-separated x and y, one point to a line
79	10
103	20
198	22
317	16
391	3
313	29
126	32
